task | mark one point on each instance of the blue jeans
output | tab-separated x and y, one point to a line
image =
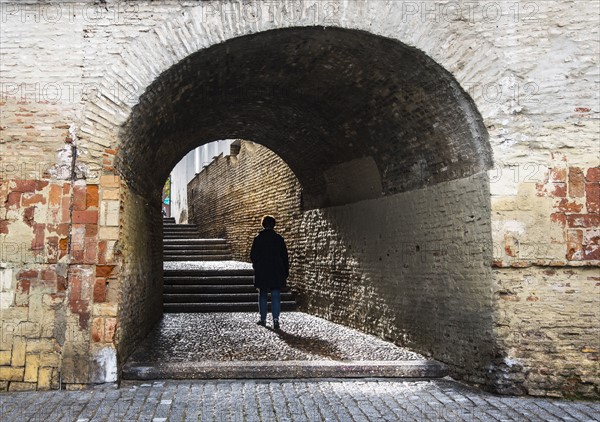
275	303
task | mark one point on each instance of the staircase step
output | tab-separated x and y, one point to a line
191	229
292	369
198	273
207	281
195	252
173	239
222	307
177	229
198	240
208	250
182	244
197	258
219	297
194	246
179	237
182	233
208	289
168	220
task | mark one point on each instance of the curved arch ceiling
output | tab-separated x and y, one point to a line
355	115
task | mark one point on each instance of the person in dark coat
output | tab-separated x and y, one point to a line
270	261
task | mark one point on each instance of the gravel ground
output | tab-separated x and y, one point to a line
206	265
195	337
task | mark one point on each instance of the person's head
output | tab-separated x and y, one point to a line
268	222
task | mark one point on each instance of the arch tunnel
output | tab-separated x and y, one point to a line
393	232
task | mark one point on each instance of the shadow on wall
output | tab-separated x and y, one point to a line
413	268
140	284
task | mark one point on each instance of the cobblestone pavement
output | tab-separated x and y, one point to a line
234	336
288	400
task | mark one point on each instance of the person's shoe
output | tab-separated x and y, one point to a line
276	324
261	322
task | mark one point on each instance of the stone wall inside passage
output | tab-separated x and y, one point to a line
140	285
416	268
413	267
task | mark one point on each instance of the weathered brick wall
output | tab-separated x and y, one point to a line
230	196
44	307
140	284
547	324
546	256
122	79
34	287
416	268
413	267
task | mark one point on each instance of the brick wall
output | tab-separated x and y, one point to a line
127	87
412	268
230	196
140	284
547	326
416	268
546	245
34	235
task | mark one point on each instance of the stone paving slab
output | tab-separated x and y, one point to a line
288	400
232	345
285	369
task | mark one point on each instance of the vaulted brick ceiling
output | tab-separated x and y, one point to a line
331	102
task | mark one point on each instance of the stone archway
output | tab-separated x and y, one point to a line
371	128
73	267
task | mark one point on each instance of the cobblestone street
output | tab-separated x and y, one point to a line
298	400
234	336
230	345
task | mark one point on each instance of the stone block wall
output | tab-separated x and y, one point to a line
417	268
413	268
230	196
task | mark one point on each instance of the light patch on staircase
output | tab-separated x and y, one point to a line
206	265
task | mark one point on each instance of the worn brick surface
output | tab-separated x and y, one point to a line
117	88
336	255
362	264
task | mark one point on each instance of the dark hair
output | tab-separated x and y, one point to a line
268	222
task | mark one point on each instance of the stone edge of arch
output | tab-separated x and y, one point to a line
181	36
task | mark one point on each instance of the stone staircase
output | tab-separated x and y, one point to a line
181	243
216	288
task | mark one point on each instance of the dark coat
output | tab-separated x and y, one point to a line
269	258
